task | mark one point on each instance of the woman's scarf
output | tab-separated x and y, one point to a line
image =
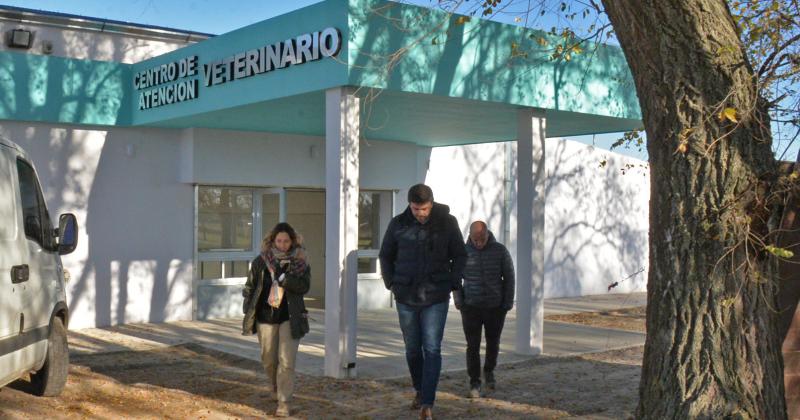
292	262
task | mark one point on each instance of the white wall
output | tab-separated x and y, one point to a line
89	45
469	179
272	159
134	257
131	190
596	218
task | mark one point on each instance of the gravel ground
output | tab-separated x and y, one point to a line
190	381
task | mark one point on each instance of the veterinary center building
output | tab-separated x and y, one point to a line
178	151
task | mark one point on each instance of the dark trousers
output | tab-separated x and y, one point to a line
491	321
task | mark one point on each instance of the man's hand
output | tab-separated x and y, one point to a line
458	298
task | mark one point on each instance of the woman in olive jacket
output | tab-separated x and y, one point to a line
280	322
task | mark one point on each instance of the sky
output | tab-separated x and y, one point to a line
218	17
207	16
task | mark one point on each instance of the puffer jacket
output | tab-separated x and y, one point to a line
488	276
422	263
295	287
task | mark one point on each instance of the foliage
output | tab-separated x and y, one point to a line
770	33
742	223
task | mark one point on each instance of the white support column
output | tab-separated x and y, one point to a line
530	230
341	230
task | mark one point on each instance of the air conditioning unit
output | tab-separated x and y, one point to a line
20	38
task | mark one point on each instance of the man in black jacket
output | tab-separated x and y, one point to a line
422	257
487	295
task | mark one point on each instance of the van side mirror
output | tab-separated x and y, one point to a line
67	233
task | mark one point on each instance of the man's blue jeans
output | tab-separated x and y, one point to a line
423	328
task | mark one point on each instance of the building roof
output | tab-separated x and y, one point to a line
424	76
66	20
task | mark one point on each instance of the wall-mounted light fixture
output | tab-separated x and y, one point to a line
20	38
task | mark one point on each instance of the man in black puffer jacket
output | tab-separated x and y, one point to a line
422	257
487	295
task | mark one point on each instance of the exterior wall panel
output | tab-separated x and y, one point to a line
134	257
85	44
596	218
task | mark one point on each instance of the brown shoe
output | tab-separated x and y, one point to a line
415	403
425	413
283	410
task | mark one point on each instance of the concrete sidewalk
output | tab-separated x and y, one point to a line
380	343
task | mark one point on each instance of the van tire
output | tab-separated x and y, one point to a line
51	378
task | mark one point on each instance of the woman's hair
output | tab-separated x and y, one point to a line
268	240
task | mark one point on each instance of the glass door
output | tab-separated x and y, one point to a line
273	210
306	214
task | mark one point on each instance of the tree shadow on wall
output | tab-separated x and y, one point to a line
596	221
120	220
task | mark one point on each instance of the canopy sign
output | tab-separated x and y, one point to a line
175	81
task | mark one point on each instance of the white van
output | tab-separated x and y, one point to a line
33	304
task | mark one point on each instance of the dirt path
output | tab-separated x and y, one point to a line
630	319
189	381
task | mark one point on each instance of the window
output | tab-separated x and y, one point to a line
374	214
225	219
369	206
223	269
229	225
34	212
8	209
231	221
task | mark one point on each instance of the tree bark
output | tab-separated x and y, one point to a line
712	348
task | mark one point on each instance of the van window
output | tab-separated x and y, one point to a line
34	212
8	214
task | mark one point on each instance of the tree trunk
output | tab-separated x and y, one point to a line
712	348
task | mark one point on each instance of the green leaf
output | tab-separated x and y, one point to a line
779	252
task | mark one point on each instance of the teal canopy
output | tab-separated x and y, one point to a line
424	76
